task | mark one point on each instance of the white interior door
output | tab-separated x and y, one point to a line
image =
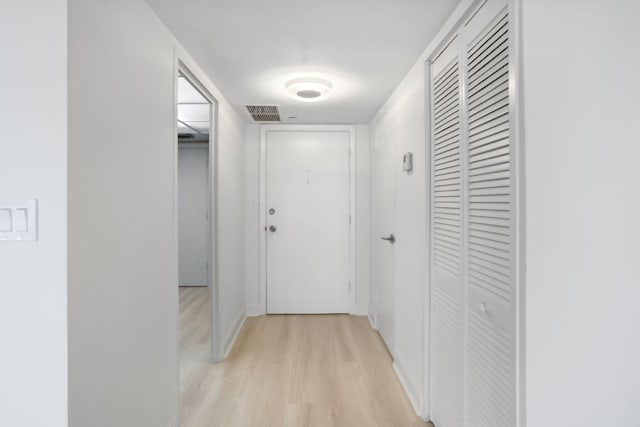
383	161
307	204
447	291
193	220
490	381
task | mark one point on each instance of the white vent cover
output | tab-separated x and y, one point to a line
264	113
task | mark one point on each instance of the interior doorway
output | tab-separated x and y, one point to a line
195	226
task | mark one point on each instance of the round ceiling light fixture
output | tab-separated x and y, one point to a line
309	89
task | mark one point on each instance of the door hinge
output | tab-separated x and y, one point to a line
349	286
349	219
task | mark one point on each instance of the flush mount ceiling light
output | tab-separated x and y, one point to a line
309	89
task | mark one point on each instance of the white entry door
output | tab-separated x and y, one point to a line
307	204
383	163
193	217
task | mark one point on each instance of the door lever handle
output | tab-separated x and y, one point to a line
391	239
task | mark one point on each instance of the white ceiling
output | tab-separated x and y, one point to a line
249	47
194	111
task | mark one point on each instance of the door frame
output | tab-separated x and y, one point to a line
351	131
185	66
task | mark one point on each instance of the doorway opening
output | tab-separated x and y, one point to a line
195	174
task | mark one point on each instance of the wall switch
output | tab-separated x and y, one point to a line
18	219
5	220
21	220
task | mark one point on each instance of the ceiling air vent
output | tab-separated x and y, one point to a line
264	113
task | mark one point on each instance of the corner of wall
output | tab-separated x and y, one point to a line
254	310
362	309
234	331
409	387
252	220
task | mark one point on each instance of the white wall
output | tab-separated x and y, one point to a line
193	214
404	125
581	63
228	160
122	270
252	230
33	275
230	221
123	296
363	219
255	306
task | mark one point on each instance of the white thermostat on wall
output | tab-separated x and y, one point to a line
407	162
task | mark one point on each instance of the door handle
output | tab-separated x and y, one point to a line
272	228
391	239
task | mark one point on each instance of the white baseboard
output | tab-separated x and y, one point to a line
401	371
254	310
372	322
231	336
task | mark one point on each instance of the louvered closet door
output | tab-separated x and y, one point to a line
446	230
490	318
473	298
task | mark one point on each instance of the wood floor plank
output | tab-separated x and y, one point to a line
289	370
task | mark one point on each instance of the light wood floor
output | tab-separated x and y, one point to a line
293	370
195	334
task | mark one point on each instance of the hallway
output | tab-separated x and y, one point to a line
492	213
289	370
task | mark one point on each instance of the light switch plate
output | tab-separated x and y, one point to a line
19	219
